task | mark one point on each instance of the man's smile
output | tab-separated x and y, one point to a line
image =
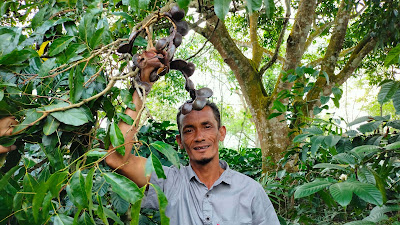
201	147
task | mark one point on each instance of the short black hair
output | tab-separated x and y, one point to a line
212	105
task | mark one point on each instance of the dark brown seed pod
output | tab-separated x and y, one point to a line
177	64
188	70
161	44
162	71
135	60
125	48
171	52
153	76
177	39
204	92
182	27
177	13
199	103
133	36
186	108
189	85
192	94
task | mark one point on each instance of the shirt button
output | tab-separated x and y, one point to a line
207	195
208	218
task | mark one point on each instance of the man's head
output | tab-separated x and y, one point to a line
200	132
212	105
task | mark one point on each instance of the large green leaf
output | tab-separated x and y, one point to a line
332	140
117	138
120	205
56	182
168	151
359	120
123	187
85	219
368	193
365	176
74	117
331	166
365	150
135	213
396	101
279	106
311	188
100	211
59	45
76	81
31	116
313	130
393	56
163	202
345	158
269	8
183	3
76	190
110	214
96	39
154	164
46	67
50	125
393	146
16	57
316	142
300	137
254	5
62	219
5	179
369	127
89	188
342	192
360	222
387	91
38	200
221	8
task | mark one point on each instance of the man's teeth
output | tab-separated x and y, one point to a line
199	148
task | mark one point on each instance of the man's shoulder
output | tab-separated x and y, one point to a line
241	179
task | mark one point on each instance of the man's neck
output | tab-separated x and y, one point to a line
208	173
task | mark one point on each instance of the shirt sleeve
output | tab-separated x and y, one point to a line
262	209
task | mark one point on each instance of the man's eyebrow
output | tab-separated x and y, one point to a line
187	126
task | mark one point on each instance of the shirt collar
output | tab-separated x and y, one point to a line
225	177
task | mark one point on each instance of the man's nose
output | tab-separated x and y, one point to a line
199	136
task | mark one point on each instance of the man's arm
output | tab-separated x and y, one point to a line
129	165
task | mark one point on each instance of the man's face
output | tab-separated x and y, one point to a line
200	135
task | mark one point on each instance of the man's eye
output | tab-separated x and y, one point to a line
187	131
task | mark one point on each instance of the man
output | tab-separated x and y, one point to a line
206	191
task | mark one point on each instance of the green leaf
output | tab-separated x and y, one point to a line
127	119
331	166
253	5
31	116
123	187
46	67
317	110
332	140
326	77
62	219
163	202
360	222
269	8
394	124
76	190
148	169
313	130
74	116
365	176
85	219
316	143
56	182
96	39
365	150
168	151
359	120
120	205
135	212
158	167
393	146
50	125
59	45
342	192
393	56
300	137
221	8
324	99
369	127
368	193
100	211
311	188
117	138
387	91
396	101
17	57
38	200
183	3
89	187
1	94
76	81
124	15
273	115
279	106
5	179
110	214
345	158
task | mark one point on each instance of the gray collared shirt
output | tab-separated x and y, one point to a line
233	199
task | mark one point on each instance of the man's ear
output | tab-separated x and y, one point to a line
222	133
178	139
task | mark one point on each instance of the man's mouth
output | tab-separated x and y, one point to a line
201	147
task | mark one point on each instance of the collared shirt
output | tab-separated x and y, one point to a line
232	200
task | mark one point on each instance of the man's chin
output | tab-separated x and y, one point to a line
203	161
